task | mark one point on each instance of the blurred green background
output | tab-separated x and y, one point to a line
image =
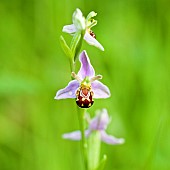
135	65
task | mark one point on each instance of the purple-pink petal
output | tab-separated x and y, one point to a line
76	135
100	121
69	29
86	68
69	91
92	41
109	139
100	90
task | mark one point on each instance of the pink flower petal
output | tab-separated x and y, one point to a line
100	121
69	29
69	91
100	90
86	67
92	41
76	135
109	139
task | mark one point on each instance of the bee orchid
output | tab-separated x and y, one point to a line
85	87
82	24
98	123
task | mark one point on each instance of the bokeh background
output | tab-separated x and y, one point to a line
135	65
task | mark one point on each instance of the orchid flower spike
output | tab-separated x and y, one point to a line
86	86
82	24
98	123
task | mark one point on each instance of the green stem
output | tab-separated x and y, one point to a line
72	65
76	44
81	116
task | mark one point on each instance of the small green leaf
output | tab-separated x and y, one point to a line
65	47
102	163
76	44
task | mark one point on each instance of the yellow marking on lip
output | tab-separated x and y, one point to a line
88	99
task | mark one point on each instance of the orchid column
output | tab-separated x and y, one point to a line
84	88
